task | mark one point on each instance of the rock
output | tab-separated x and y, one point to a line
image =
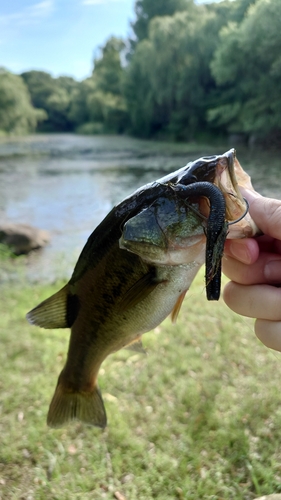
22	238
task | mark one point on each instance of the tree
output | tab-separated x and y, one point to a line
168	83
146	10
108	71
54	95
79	109
17	115
99	103
247	69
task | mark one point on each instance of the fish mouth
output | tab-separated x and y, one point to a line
230	177
225	172
226	181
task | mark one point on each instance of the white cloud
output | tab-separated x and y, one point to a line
99	2
28	15
41	9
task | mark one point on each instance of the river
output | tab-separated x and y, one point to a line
68	183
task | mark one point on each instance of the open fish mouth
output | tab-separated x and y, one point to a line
227	183
225	172
230	177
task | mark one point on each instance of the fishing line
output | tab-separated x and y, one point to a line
243	215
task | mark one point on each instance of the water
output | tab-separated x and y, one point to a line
68	183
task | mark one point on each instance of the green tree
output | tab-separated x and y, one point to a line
99	103
168	81
54	95
146	10
247	69
108	71
239	9
17	115
79	113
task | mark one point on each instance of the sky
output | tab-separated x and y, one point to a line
60	37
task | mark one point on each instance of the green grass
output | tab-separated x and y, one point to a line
199	417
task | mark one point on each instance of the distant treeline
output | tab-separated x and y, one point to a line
188	72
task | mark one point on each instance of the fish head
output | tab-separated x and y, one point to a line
172	230
168	232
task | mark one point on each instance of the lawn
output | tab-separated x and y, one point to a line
198	417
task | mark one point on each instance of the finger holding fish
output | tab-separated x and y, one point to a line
257	260
255	290
268	213
266	269
260	301
245	250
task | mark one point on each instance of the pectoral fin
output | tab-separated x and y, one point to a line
177	307
58	311
140	290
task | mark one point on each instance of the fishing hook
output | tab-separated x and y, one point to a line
243	215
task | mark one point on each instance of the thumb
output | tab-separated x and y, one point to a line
266	213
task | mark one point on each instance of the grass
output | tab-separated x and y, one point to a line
199	417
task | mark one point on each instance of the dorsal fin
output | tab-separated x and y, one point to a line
58	311
177	306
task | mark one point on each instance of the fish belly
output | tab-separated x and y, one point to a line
151	311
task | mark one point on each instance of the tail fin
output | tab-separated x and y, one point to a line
87	407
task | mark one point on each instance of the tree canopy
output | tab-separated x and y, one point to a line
168	90
146	10
54	95
247	69
17	115
187	70
99	105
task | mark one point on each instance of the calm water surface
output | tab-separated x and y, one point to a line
68	183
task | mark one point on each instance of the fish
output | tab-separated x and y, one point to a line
135	270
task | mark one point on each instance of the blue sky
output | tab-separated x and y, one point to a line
59	36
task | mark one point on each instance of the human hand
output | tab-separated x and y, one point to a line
254	266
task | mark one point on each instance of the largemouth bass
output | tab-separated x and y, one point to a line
135	269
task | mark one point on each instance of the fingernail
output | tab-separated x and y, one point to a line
272	271
240	251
